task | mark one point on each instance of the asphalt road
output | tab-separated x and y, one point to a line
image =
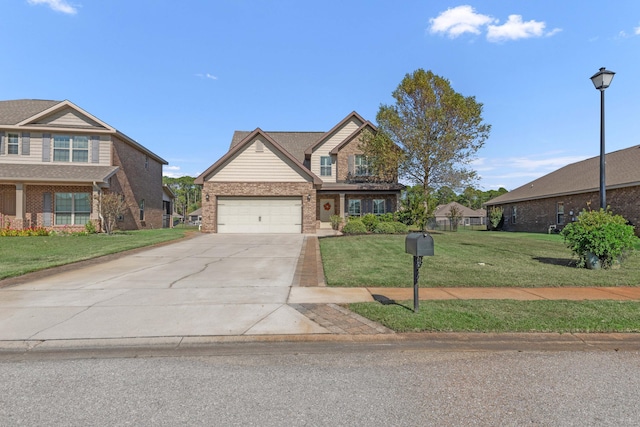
322	384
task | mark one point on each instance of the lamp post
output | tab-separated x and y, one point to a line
601	80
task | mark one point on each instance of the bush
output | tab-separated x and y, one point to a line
606	236
354	226
370	221
384	228
495	216
388	217
90	227
399	227
336	221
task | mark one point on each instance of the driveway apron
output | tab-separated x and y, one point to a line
213	284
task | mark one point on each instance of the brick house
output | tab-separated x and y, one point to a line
293	182
57	159
556	199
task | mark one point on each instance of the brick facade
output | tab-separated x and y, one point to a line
139	178
257	189
538	215
342	162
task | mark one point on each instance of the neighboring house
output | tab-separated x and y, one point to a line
195	217
57	159
468	217
168	206
556	199
293	182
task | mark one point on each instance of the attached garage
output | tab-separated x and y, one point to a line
259	214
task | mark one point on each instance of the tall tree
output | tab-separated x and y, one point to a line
437	129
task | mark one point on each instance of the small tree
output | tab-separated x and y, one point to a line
495	216
111	206
454	215
600	233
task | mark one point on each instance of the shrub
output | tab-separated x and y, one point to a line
399	227
384	228
354	226
388	217
370	221
90	227
606	236
336	221
495	216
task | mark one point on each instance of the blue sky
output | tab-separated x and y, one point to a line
181	76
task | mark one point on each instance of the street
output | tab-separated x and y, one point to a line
324	383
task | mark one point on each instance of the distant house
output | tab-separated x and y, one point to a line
57	159
468	216
168	206
195	217
556	199
293	182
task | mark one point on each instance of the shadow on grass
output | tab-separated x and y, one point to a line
563	262
388	301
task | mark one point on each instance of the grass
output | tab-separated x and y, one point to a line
466	259
22	255
506	316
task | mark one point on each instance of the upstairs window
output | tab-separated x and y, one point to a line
13	142
325	166
362	165
70	148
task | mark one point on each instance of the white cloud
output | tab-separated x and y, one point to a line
57	5
547	164
459	20
515	29
464	19
207	76
636	31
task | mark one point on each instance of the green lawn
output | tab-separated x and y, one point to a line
466	259
20	255
506	316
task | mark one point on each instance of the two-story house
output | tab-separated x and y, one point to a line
293	182
56	160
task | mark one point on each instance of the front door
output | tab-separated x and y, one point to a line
326	209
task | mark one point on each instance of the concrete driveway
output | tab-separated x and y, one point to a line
210	285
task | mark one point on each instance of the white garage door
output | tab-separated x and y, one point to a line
259	215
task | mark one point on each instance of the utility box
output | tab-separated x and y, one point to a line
419	244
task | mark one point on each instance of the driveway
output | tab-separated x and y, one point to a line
213	284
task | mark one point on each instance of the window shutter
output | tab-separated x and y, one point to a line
1	143
388	205
46	147
368	206
46	209
95	149
351	161
26	143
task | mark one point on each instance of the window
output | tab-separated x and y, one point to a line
325	166
560	213
13	140
72	208
142	210
514	214
146	162
70	148
354	207
362	165
378	206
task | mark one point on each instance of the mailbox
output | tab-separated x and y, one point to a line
419	244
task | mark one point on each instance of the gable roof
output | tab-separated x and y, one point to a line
247	140
293	142
443	210
350	138
326	135
27	112
622	170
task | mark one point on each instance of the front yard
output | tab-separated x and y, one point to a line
466	259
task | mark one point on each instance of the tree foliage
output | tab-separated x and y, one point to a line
437	130
188	194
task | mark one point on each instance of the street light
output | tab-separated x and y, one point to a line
601	80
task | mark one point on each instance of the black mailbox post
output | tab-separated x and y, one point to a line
418	245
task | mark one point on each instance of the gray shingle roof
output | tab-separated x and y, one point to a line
15	111
443	210
294	142
60	173
622	170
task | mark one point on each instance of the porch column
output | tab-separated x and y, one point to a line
397	202
342	211
95	202
21	206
